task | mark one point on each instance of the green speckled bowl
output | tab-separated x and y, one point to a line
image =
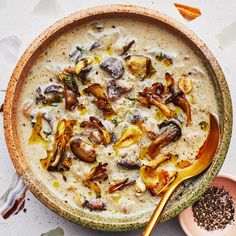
190	192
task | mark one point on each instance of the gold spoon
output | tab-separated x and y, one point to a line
203	160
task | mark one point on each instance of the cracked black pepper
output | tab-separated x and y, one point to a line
215	209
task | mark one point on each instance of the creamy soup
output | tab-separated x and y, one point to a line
111	110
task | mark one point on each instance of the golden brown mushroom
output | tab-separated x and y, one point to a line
56	159
97	173
71	91
102	100
170	132
83	151
96	123
177	98
157	180
129	136
139	65
120	186
153	96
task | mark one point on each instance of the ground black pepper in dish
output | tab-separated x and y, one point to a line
215	209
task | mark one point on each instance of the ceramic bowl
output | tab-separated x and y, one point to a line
191	228
190	191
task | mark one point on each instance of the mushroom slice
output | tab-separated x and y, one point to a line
139	66
95	137
54	88
150	134
97	173
165	59
83	151
82	64
95	205
120	186
77	197
95	45
129	164
71	91
179	99
56	159
36	136
170	132
96	123
183	103
113	66
159	161
105	106
156	101
155	89
115	88
76	54
156	180
97	91
169	82
152	96
130	135
127	47
185	84
48	98
102	101
96	188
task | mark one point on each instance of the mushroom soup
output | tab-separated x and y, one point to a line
110	112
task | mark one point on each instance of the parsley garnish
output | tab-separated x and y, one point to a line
68	80
47	133
115	122
133	100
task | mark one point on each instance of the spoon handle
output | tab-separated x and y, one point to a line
159	209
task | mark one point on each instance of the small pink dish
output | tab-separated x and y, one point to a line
191	228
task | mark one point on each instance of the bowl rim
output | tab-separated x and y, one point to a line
26	173
184	227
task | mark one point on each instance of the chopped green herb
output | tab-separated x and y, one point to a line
55	104
115	122
81	49
68	80
133	100
203	125
47	133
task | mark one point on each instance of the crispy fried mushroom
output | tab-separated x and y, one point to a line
152	96
170	132
83	151
96	123
97	173
139	66
56	159
102	100
129	164
120	186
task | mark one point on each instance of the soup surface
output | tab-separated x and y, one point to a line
111	110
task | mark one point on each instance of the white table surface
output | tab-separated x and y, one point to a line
22	21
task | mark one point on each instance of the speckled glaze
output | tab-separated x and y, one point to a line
177	203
